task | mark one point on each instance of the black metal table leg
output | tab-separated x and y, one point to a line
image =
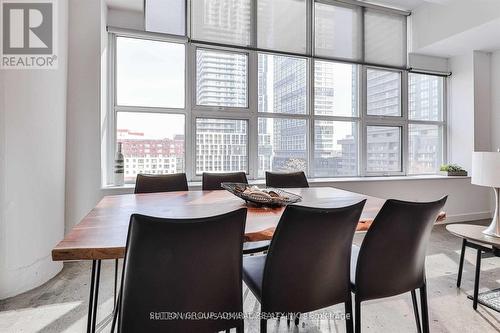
96	295
476	280
91	297
461	264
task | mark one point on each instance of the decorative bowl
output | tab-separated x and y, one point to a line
269	196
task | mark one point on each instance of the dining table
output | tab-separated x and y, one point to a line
102	233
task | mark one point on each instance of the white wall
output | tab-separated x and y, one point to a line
482	101
465	202
461	111
32	141
495	101
83	163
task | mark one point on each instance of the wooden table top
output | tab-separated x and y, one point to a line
473	232
102	234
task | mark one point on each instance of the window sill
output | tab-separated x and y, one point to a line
196	185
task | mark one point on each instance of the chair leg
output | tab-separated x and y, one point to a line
349	315
425	309
357	315
263	326
415	310
461	264
287	319
476	280
297	319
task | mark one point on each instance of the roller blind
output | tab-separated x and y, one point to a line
337	31
222	21
281	25
385	38
166	16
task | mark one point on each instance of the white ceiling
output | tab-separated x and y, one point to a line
481	38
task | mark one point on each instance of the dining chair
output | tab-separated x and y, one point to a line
319	276
176	267
286	179
160	183
212	181
391	259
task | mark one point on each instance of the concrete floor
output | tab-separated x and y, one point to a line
60	305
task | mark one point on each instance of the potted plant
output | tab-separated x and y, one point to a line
452	170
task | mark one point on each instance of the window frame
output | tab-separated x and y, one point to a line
382	120
250	113
112	101
442	123
194	52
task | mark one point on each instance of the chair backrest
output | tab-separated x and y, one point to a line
286	180
212	181
391	259
182	266
160	183
308	262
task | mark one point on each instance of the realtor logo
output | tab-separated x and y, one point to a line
28	32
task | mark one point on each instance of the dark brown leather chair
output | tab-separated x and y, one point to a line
391	259
323	258
286	180
160	183
182	266
212	181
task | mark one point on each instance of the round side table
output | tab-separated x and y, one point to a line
473	237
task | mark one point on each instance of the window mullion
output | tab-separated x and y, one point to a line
111	112
310	143
363	112
253	101
404	112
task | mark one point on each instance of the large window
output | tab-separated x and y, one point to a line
316	91
335	148
426	126
335	89
383	149
151	143
383	90
221	145
149	73
282	84
282	145
221	78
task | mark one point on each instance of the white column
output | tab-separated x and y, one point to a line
32	169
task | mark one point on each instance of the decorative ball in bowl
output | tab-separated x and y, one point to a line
269	196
